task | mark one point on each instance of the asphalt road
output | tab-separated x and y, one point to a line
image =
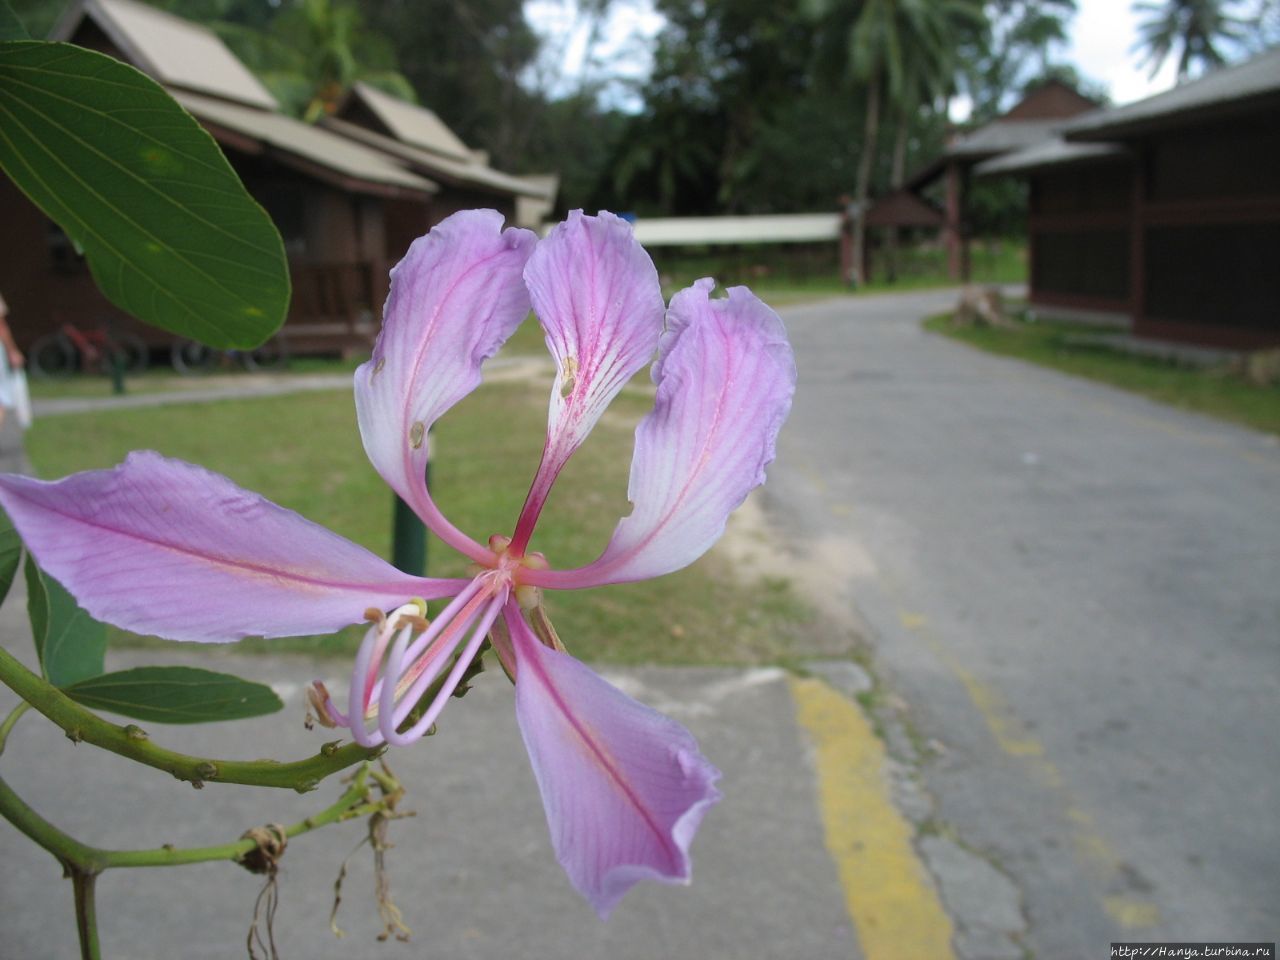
1073	601
1072	604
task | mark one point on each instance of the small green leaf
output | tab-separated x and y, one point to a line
168	230
10	550
175	695
71	644
11	27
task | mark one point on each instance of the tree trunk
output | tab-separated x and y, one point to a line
897	175
870	133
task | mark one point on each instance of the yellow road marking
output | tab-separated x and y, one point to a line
1005	728
888	892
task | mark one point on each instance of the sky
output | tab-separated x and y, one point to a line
1102	36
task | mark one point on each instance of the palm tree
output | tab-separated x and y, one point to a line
312	51
1198	28
902	51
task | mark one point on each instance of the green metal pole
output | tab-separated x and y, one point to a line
408	540
117	373
408	535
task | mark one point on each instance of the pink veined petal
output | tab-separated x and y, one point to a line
597	295
725	374
624	787
163	547
455	298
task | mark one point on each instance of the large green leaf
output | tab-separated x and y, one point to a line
71	645
175	695
11	27
169	232
10	551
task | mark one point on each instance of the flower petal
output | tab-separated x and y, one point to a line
597	295
164	547
624	787
455	298
725	374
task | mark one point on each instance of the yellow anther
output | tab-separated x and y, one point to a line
536	561
570	378
529	597
409	620
499	543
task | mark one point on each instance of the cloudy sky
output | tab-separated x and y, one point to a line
1102	36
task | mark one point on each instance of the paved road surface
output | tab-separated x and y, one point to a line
1076	594
1072	604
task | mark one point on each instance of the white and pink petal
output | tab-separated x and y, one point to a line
725	375
159	546
624	787
455	298
597	296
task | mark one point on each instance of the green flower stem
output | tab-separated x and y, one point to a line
129	741
84	885
10	721
83	863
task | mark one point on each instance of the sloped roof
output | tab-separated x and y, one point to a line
173	51
314	149
1001	136
410	123
438	167
1245	86
1051	153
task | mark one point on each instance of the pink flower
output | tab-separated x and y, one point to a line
163	547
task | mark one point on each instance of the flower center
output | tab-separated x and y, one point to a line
510	569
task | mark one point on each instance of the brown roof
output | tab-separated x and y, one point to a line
173	51
1248	86
408	122
314	150
1051	153
468	172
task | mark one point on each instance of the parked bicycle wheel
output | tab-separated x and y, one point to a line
52	356
192	357
131	351
270	356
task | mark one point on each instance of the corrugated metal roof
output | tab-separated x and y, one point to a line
315	146
1001	136
1052	153
412	124
466	172
1255	80
174	51
777	228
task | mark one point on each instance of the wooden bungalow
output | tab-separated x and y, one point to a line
1031	121
419	139
346	208
1164	214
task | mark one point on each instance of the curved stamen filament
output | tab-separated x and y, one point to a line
391	713
463	606
408	684
366	685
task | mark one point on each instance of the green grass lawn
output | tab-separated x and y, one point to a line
304	452
1216	392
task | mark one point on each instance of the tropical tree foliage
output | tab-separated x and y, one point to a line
1198	32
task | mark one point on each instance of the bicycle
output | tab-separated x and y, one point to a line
192	358
70	348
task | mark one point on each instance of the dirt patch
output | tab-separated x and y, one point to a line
818	570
